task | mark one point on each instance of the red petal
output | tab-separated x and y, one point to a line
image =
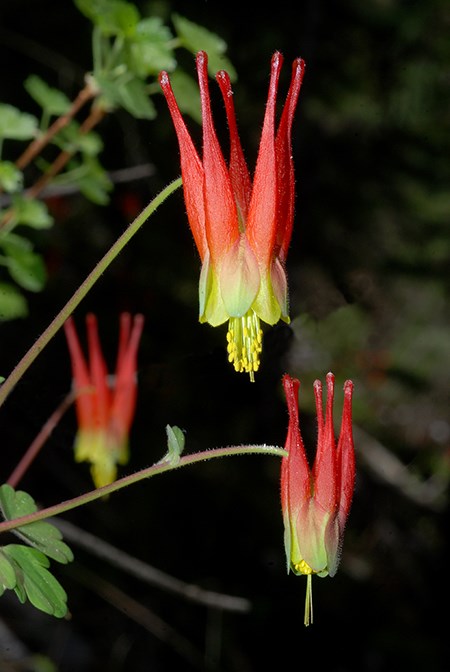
125	387
99	373
84	401
191	170
285	165
261	222
346	455
295	473
324	470
222	227
240	177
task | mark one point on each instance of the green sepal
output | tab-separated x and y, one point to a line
239	278
211	305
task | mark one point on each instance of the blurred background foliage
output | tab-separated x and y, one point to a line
368	269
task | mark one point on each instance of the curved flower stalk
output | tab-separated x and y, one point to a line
316	502
242	228
105	405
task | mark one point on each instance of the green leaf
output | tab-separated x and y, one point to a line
11	178
175	444
34	581
25	267
42	535
129	93
151	51
94	182
12	303
197	38
51	100
16	125
7	573
134	98
113	17
32	213
15	504
71	140
46	538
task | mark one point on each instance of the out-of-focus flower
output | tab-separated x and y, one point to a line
242	228
105	405
316	502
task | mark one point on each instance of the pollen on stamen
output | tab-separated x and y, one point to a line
302	567
244	347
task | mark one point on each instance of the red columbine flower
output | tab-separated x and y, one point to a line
316	502
104	404
242	230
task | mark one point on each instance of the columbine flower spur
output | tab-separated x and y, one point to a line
242	229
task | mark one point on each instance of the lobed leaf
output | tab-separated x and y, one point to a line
31	213
12	303
150	50
11	178
16	125
113	17
7	573
93	181
42	535
196	38
26	268
51	100
34	581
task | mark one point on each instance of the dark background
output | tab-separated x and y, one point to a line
368	271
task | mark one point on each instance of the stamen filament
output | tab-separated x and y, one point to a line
308	601
302	567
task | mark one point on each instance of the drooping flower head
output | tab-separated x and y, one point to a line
105	405
316	501
242	228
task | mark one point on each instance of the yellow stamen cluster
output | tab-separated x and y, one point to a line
245	343
302	567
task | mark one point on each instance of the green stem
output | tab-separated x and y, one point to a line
83	289
158	468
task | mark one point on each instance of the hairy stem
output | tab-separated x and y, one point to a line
158	468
